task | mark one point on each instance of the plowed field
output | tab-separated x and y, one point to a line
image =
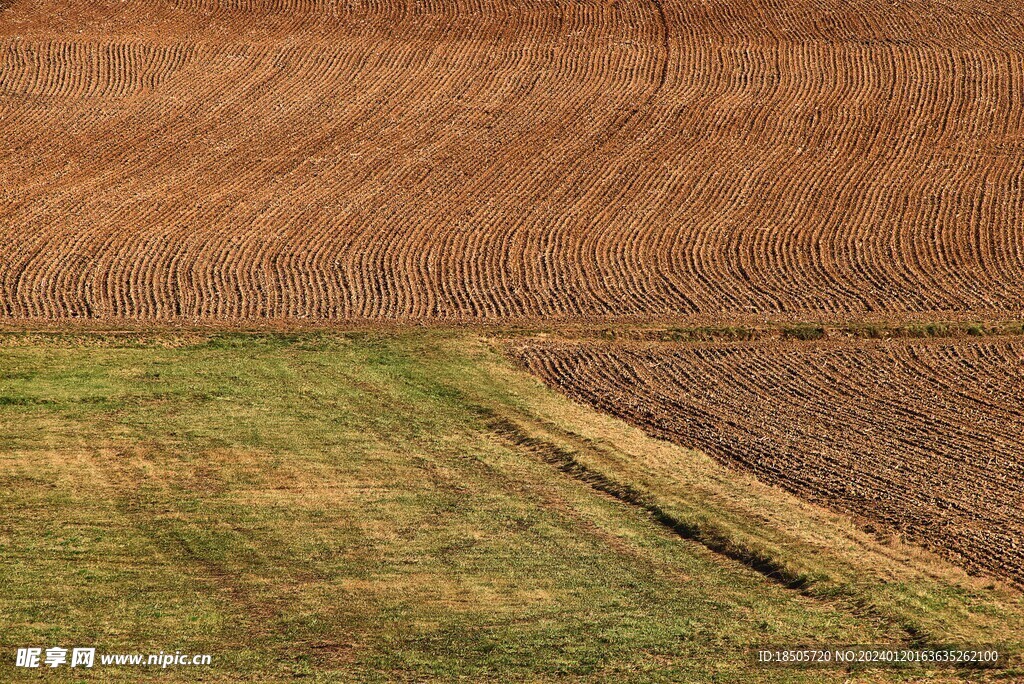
500	159
925	438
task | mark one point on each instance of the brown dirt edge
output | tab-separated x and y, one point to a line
686	330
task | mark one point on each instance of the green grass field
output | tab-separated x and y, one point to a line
407	506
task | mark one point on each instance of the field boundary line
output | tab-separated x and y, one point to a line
703	532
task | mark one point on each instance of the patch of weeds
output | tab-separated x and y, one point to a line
927	330
733	333
703	334
803	331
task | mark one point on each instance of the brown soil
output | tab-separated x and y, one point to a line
348	160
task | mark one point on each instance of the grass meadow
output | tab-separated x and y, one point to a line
340	507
